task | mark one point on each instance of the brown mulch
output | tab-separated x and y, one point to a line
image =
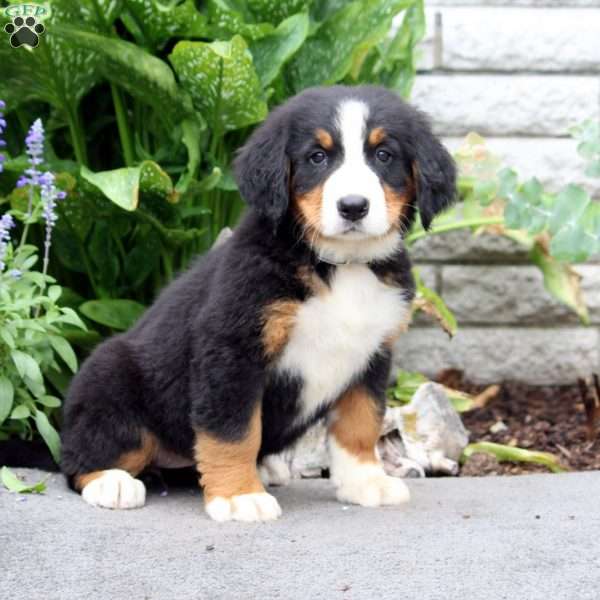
552	419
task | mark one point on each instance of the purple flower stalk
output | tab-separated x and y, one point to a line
2	128
6	224
35	150
49	195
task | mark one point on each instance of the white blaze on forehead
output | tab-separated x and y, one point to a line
354	176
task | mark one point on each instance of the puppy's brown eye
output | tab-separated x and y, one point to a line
318	157
383	156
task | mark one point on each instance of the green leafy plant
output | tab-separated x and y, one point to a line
146	103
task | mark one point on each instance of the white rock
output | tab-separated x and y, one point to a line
432	431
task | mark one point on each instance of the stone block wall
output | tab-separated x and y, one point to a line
521	73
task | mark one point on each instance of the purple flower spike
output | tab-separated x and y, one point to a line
35	151
6	224
49	195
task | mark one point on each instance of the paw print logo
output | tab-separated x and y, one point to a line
24	32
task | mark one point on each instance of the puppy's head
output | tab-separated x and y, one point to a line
350	165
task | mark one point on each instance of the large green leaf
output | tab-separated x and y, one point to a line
222	81
64	350
274	11
152	23
229	17
117	314
123	186
274	50
56	71
143	75
328	56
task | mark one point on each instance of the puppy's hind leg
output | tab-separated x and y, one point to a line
104	441
117	487
229	476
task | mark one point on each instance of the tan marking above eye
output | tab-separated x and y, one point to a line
376	136
324	138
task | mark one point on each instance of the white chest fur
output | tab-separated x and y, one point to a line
338	331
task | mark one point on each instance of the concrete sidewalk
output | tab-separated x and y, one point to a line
520	538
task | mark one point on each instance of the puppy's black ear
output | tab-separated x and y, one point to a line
262	169
434	172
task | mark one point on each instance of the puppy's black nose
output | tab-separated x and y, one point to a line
353	208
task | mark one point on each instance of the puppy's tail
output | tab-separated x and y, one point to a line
32	455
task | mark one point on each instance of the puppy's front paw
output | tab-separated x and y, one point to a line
245	507
115	488
377	490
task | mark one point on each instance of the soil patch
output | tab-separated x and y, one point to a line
551	419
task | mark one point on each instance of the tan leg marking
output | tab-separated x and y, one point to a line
356	424
376	136
279	319
324	138
229	468
134	461
356	470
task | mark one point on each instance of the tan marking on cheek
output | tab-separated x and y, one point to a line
229	468
279	320
307	208
134	461
356	424
376	136
324	138
396	203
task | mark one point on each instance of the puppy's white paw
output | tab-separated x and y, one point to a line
379	490
273	470
115	488
245	507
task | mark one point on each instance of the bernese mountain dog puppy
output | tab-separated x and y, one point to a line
290	320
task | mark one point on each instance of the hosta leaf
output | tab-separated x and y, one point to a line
222	81
49	434
228	17
328	56
123	186
7	393
56	71
12	483
271	52
274	11
117	314
152	22
143	75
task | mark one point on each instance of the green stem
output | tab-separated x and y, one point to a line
417	235
124	133
77	136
